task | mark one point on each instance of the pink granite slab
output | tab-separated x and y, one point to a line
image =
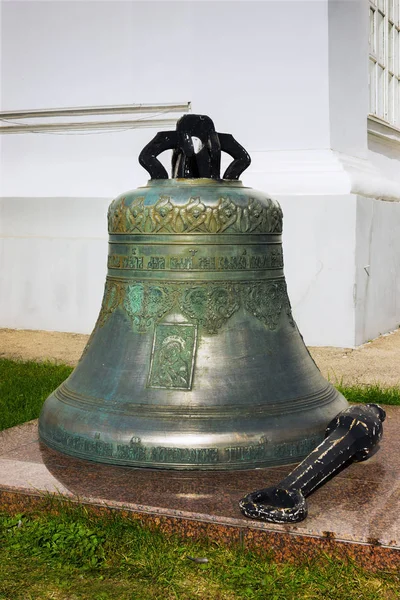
361	505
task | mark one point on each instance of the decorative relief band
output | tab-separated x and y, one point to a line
208	304
321	397
135	451
194	217
206	258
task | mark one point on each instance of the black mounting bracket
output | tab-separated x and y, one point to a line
186	161
349	437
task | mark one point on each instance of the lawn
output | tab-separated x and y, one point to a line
370	393
70	553
67	552
24	386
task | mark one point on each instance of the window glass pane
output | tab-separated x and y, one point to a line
384	61
390	48
381	38
372	87
392	83
380	109
396	101
391	9
372	43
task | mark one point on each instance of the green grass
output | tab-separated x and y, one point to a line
370	394
68	553
24	386
71	553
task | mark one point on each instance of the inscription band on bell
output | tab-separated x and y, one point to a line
202	258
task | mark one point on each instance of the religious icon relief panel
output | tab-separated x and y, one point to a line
173	355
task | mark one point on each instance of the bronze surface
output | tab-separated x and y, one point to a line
195	361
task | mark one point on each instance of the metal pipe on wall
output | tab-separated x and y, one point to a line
144	122
84	125
96	110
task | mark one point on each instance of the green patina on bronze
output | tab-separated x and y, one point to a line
195	361
131	214
204	302
228	257
208	305
137	454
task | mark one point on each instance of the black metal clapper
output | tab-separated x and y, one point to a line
351	436
186	161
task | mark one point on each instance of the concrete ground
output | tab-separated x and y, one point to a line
375	362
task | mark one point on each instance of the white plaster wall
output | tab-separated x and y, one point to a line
385	155
57	54
53	255
262	68
377	289
233	60
258	68
319	255
92	52
287	78
348	27
378	247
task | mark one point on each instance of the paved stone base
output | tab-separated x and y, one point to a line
355	515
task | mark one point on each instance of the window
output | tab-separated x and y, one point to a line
384	60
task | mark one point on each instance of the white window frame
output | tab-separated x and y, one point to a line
384	62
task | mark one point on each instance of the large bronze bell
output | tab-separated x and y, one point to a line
195	361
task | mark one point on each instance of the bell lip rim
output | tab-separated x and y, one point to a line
193	181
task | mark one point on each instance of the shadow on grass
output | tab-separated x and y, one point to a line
24	386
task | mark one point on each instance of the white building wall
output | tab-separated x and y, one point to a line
348	26
53	256
377	302
384	153
319	253
288	79
378	246
233	60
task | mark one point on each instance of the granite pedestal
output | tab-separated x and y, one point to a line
355	515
